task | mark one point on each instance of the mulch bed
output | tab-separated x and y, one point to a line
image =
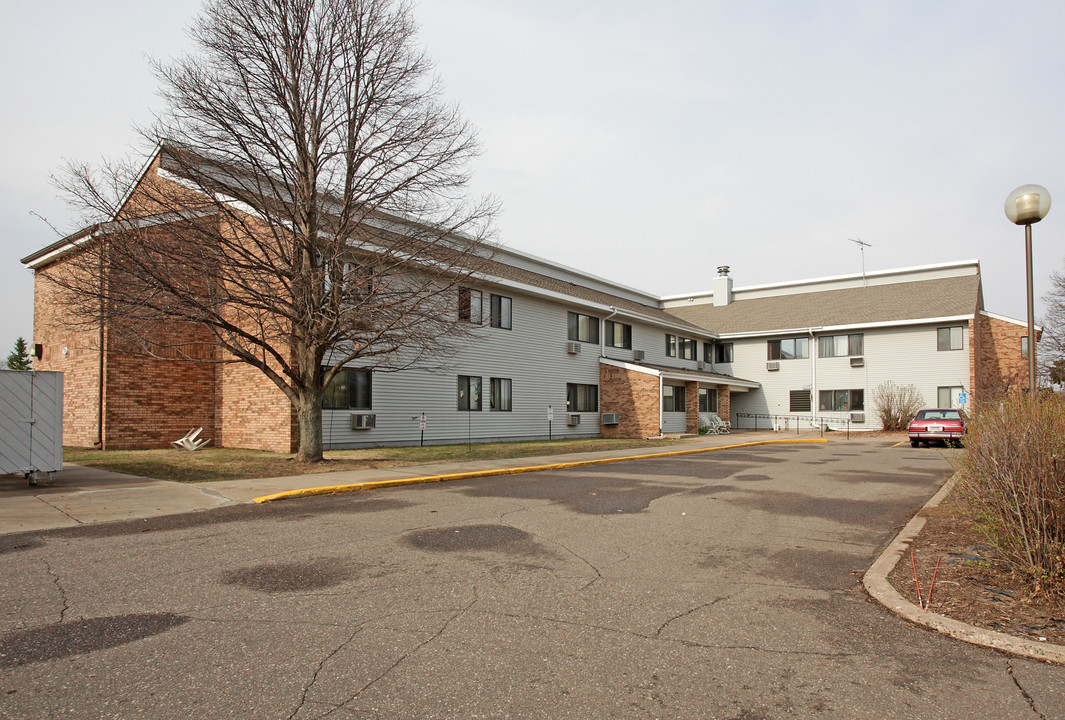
972	585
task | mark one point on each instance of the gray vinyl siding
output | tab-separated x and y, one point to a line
532	355
905	355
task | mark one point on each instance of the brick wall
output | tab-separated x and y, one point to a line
691	407
80	364
999	365
253	412
635	397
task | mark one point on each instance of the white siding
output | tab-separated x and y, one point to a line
905	355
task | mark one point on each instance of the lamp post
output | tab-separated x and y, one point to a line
1026	206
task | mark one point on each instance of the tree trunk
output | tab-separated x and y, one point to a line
309	417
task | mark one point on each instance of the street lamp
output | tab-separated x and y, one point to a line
1026	206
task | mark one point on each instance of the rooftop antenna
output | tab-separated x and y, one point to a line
863	245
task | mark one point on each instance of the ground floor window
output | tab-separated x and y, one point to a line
947	397
673	398
500	397
469	392
842	400
582	398
800	401
349	389
708	400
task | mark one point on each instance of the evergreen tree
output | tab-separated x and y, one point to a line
19	359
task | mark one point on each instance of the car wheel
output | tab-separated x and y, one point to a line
915	443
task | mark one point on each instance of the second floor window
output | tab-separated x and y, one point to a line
840	345
470	305
789	348
950	338
618	335
583	328
500	312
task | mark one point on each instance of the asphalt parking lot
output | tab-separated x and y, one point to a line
724	585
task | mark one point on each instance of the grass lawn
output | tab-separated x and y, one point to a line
234	464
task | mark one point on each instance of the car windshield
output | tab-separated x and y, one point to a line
939	415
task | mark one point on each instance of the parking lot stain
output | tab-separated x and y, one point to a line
302	575
51	642
477	538
580	490
869	513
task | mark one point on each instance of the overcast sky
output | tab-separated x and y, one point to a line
647	143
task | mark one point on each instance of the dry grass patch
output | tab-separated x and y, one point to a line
210	464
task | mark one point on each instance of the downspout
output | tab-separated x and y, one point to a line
602	331
99	444
814	404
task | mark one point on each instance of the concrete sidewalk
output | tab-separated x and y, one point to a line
83	495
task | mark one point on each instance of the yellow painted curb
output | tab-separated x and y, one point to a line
355	487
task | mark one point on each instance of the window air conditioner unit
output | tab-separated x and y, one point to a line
363	422
857	361
700	365
609	418
638	355
572	420
573	348
774	365
857	417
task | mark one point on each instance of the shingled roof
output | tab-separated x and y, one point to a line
889	302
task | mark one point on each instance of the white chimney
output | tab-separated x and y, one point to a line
722	287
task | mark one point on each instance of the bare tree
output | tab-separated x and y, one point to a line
1052	344
896	404
306	208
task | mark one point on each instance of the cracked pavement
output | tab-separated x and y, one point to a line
724	585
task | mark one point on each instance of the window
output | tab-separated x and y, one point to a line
500	395
680	347
349	389
723	353
842	400
947	397
618	335
708	400
583	328
789	348
840	345
499	314
470	305
582	398
687	348
673	398
950	338
800	401
469	393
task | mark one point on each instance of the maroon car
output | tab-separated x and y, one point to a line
946	425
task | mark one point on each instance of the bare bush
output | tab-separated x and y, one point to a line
1013	479
896	404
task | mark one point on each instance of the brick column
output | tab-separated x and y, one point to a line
691	407
724	403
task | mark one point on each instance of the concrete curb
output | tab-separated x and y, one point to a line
876	583
356	487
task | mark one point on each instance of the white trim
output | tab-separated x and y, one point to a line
1012	321
829	279
839	328
136	181
117	226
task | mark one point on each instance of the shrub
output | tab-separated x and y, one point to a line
896	404
1013	481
